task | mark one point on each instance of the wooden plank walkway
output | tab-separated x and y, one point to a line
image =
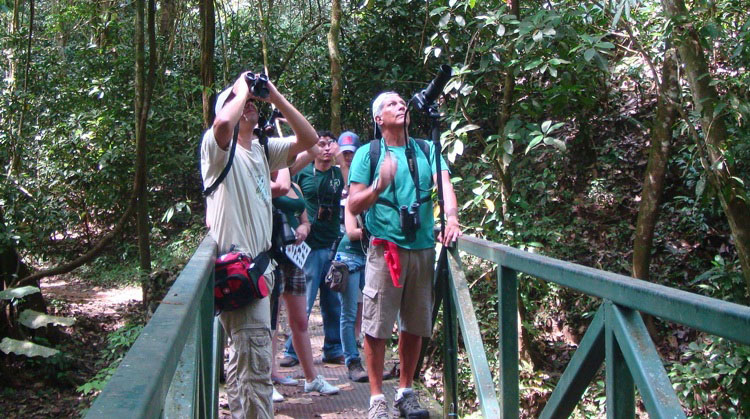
353	398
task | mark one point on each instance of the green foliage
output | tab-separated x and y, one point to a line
29	349
32	320
723	281
713	371
118	343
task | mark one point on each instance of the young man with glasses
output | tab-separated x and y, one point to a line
321	184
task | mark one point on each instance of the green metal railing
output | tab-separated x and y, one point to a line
172	368
616	336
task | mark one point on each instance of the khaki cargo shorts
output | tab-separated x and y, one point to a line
412	303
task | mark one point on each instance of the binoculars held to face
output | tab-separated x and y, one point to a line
257	83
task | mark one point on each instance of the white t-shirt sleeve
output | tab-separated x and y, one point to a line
213	158
278	152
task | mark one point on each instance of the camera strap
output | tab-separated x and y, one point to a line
208	191
413	165
260	132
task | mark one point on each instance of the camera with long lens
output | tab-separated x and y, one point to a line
426	98
325	212
257	83
409	220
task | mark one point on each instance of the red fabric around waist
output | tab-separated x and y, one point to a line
391	258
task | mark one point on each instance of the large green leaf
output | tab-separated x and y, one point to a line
30	349
34	319
20	292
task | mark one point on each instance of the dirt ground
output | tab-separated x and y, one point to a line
35	389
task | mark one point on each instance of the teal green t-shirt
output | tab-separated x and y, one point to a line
291	207
321	189
348	246
383	220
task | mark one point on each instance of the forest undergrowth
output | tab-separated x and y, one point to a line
587	216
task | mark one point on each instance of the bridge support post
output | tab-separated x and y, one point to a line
507	286
206	389
218	360
619	382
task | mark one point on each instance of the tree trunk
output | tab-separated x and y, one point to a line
15	162
719	170
208	35
333	51
653	182
264	34
525	342
144	88
509	85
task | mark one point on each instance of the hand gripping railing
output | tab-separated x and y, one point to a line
616	336
172	368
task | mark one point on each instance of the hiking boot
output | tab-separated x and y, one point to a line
288	361
320	385
378	410
356	372
408	406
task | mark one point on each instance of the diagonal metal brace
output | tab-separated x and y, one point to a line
581	369
644	362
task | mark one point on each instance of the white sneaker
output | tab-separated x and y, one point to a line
320	385
277	397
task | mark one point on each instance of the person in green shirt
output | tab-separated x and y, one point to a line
401	255
321	184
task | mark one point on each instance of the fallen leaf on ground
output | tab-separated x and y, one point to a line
299	401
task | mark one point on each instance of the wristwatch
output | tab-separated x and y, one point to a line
375	184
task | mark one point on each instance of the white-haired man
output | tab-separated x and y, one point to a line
401	256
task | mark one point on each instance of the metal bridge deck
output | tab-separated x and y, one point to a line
353	398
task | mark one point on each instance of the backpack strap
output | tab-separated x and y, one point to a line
375	154
374	157
208	191
375	150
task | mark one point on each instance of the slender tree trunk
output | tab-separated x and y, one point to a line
144	88
525	342
16	157
264	15
732	195
653	182
333	51
208	35
509	86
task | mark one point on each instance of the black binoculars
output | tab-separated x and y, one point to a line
257	83
409	219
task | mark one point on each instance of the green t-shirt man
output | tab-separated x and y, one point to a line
382	220
321	189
